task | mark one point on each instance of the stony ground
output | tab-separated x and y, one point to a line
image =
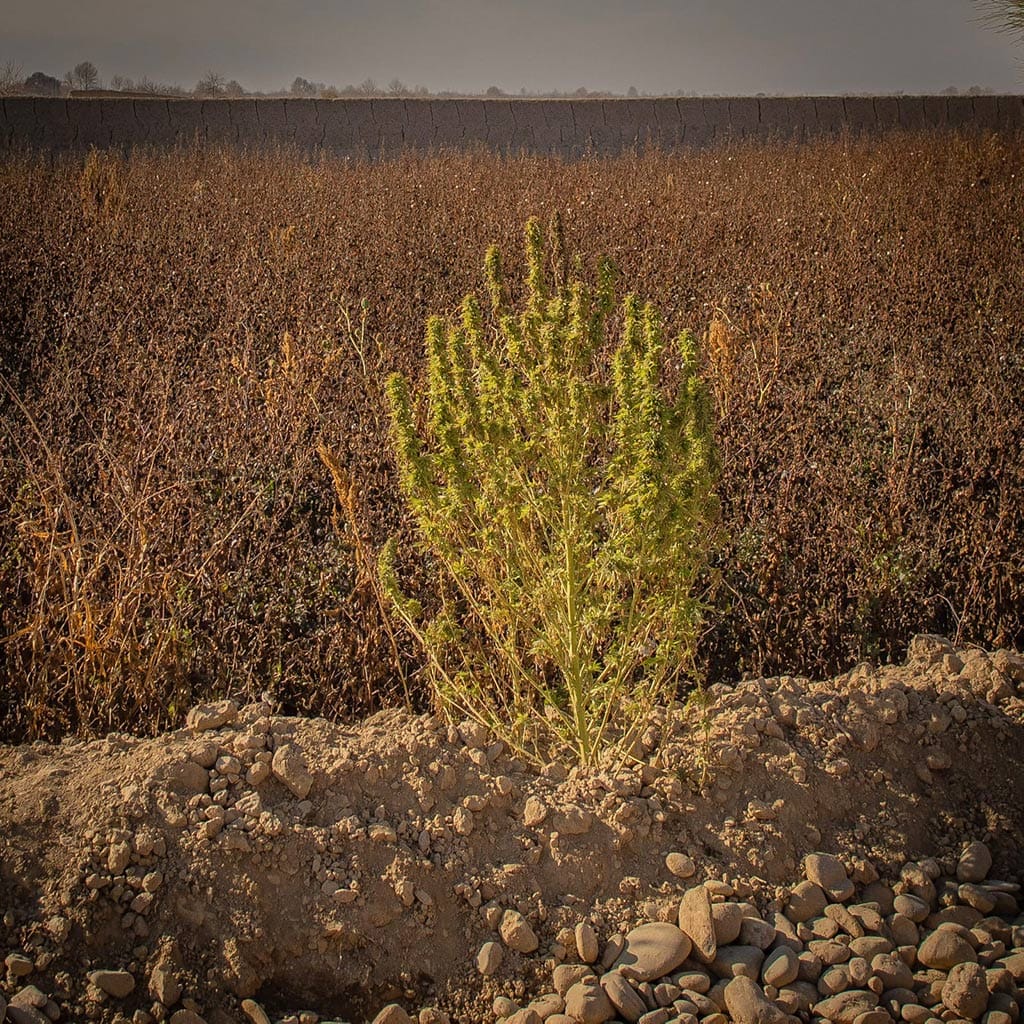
847	850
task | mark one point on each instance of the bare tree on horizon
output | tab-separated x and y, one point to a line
11	78
83	76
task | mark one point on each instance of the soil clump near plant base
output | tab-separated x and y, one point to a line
307	865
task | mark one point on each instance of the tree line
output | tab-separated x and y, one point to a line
84	78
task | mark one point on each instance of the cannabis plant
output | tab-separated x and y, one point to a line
567	507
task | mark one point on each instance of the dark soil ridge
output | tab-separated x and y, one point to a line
306	864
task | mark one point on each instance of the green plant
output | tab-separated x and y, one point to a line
569	511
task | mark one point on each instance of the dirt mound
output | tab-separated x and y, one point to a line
301	864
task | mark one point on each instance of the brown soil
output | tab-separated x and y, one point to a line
381	882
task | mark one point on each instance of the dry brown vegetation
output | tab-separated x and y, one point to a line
179	332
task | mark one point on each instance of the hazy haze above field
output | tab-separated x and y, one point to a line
657	46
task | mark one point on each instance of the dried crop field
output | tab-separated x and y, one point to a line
196	476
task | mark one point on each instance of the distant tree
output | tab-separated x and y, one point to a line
367	87
632	93
329	92
122	84
303	87
11	79
41	84
951	90
83	76
493	90
211	84
396	87
234	88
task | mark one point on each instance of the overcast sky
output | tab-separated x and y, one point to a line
658	46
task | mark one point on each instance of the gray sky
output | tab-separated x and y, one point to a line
658	46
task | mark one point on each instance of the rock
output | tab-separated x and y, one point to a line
26	1003
527	1015
516	932
728	920
747	1004
738	961
393	1013
846	921
211	716
806	900
565	976
19	965
661	1015
163	985
804	993
534	812
869	946
965	991
488	960
829	953
547	1005
503	1006
914	1013
1003	1002
462	821
828	872
997	1017
879	893
944	948
115	983
696	922
912	907
186	1017
977	896
974	864
755	932
780	967
586	942
1014	963
846	1007
835	980
892	971
587	1003
623	996
903	931
681	865
289	765
873	1017
430	1015
27	1013
254	1012
653	950
810	967
694	981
